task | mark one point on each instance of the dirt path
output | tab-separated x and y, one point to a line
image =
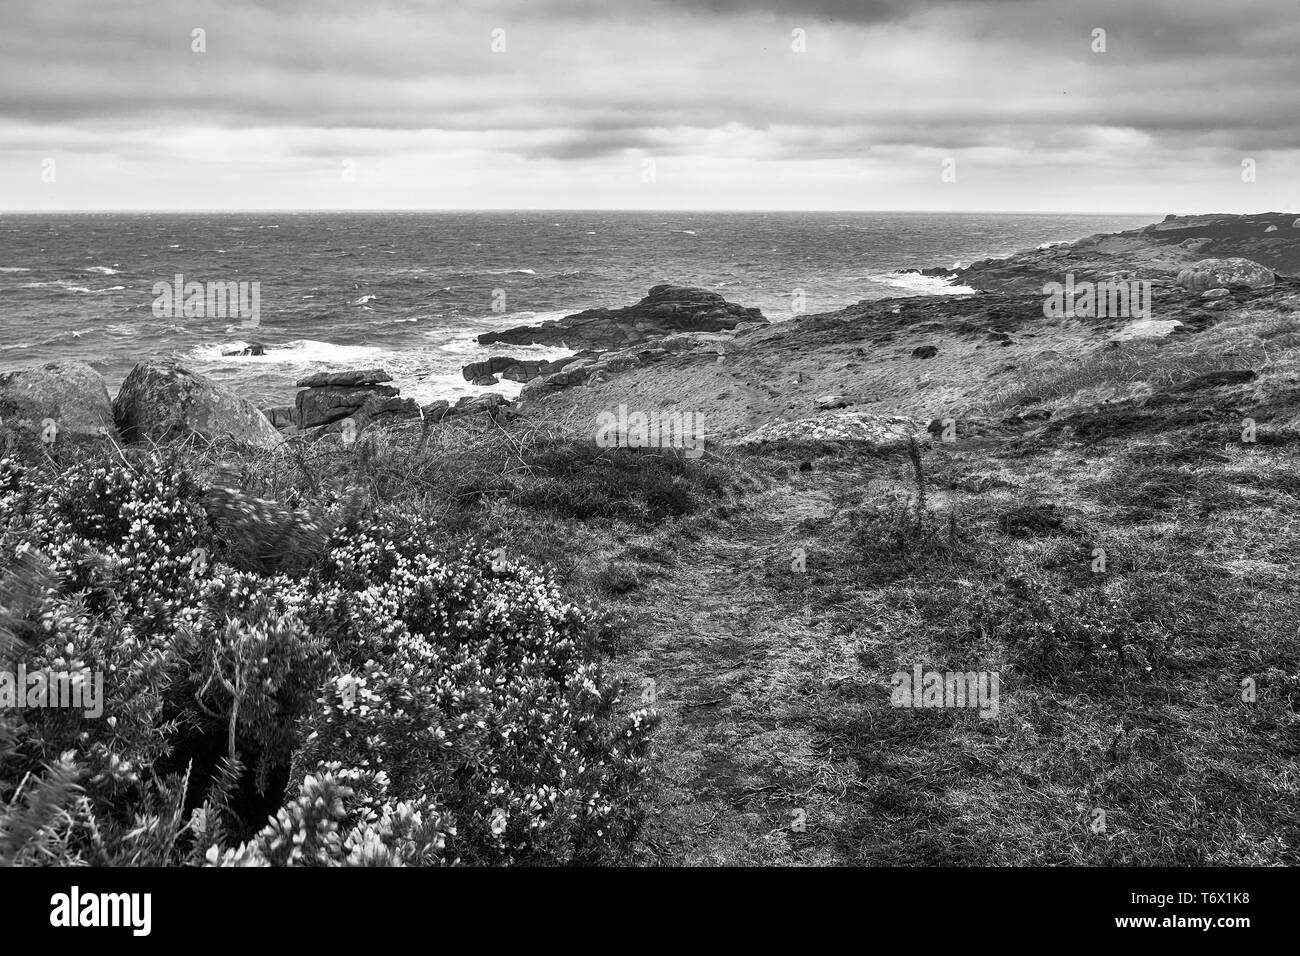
731	650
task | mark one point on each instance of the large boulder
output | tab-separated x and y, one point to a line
488	367
666	309
1232	273
165	400
332	403
71	394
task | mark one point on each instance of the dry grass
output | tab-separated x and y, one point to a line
1144	365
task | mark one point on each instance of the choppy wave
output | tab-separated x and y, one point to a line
494	272
104	270
63	284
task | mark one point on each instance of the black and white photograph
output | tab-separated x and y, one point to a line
644	435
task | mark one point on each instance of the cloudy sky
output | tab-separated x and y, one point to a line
729	104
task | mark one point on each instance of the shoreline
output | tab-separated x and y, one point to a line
691	341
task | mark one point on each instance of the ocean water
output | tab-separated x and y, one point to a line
411	291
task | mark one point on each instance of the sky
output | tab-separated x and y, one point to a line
1177	106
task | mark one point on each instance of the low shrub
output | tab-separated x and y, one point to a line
400	706
640	486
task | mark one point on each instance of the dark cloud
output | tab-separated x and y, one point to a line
588	80
846	11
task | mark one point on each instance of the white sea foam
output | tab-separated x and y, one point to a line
104	270
364	299
916	284
14	269
449	385
469	347
424	374
297	352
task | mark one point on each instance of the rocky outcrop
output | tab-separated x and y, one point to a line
329	397
1158	252
490	403
527	371
592	366
511	368
72	395
1233	273
323	406
164	401
331	401
666	309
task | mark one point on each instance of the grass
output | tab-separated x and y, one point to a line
1121	684
1146	365
1145	722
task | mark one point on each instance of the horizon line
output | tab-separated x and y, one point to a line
572	209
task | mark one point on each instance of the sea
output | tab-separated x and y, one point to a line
410	292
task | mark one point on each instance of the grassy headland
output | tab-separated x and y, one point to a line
704	674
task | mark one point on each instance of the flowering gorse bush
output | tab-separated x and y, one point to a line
328	824
473	679
424	709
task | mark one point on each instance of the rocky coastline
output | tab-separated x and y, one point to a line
917	356
1097	505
